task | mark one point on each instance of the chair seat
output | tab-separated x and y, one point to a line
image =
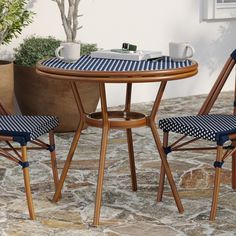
214	127
26	127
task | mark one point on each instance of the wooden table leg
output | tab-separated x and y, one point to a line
166	167
160	149
131	159
130	139
104	141
74	142
66	167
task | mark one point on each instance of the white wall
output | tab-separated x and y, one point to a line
151	24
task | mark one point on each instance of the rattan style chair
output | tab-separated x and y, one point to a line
23	130
218	128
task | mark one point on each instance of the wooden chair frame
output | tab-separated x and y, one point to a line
19	156
222	152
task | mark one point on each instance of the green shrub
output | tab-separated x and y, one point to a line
86	48
34	49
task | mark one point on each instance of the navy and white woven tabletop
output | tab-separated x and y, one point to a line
87	63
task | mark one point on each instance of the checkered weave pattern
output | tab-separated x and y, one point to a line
214	127
26	127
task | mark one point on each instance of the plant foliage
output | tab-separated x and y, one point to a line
34	49
87	48
13	17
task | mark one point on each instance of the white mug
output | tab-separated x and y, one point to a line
68	52
180	51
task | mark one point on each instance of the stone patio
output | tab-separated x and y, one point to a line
123	212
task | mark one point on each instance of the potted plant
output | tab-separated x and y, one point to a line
36	95
13	17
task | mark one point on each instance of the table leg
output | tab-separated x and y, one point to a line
66	167
160	149
100	176
130	139
74	143
131	159
166	167
104	142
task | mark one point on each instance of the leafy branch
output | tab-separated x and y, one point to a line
13	18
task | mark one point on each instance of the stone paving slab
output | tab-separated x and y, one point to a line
123	212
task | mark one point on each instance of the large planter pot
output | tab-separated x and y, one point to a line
7	84
43	96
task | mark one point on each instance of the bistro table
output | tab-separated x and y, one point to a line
104	71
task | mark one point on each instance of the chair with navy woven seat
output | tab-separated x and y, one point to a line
218	128
24	129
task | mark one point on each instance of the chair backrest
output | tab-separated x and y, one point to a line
218	85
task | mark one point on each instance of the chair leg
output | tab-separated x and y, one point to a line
216	182
162	172
101	169
234	169
27	183
131	159
53	158
161	184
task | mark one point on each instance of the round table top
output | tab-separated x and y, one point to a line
116	70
